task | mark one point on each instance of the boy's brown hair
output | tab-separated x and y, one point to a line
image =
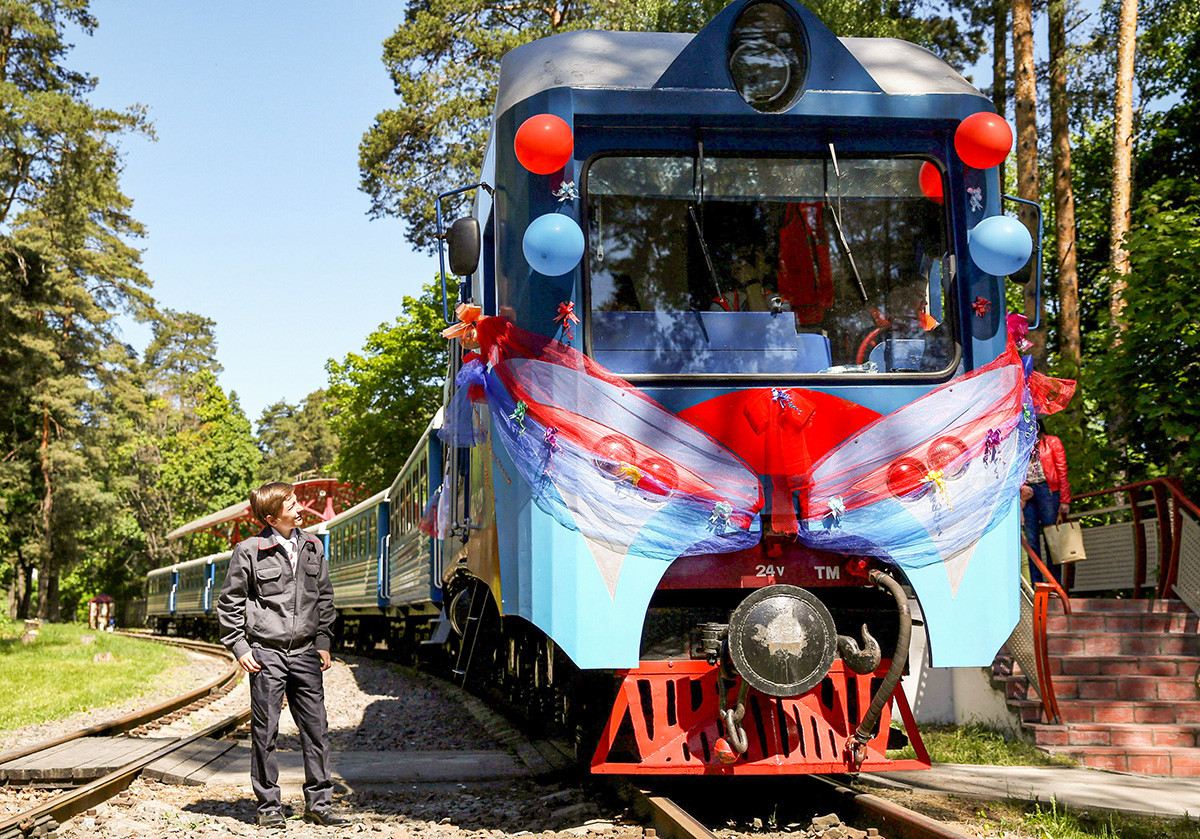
268	500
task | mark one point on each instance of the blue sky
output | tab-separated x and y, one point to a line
250	193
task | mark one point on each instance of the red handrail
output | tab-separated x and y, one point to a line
1048	576
1041	643
1170	522
1041	651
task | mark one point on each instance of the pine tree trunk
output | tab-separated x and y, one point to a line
22	587
1000	15
1028	187
46	564
1122	156
1064	195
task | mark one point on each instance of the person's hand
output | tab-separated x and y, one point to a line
249	664
326	660
1026	493
1064	509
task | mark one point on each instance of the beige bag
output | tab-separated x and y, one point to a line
1064	540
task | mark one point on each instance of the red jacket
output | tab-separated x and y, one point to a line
1054	464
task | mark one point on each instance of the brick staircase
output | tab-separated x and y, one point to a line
1125	674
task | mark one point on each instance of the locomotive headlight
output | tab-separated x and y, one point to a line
767	56
782	640
948	454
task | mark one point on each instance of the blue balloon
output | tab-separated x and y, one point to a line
553	244
1000	245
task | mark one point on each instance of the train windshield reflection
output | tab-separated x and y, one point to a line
766	266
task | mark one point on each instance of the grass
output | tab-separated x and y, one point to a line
1052	821
978	744
975	743
57	675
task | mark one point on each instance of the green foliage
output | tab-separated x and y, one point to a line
978	744
297	442
1152	377
66	268
444	62
183	345
384	397
57	675
211	463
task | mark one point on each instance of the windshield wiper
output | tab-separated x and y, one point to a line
836	213
712	271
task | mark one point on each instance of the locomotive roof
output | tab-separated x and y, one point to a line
594	59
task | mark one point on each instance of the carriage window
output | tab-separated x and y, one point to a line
767	266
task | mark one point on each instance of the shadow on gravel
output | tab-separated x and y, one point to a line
407	710
508	807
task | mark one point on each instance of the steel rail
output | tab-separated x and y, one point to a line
898	821
667	818
45	817
671	821
139	718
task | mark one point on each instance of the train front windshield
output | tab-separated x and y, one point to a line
767	266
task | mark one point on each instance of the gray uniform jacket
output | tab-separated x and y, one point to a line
263	603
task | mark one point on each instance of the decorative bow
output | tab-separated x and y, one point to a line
630	473
518	416
837	508
976	198
1018	328
551	438
981	306
991	446
784	398
567	192
938	478
722	510
468	315
567	316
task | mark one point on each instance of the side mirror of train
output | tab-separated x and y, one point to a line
463	243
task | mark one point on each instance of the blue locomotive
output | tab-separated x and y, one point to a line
731	385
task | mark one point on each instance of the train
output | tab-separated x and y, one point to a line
732	394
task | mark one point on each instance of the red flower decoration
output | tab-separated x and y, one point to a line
981	306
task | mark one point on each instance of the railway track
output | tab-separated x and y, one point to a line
671	820
43	818
868	814
665	814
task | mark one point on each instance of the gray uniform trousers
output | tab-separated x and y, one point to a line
297	676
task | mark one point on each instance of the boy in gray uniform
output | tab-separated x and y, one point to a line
276	615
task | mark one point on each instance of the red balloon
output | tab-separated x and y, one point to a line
983	140
931	182
544	144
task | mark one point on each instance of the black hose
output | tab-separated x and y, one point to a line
899	657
